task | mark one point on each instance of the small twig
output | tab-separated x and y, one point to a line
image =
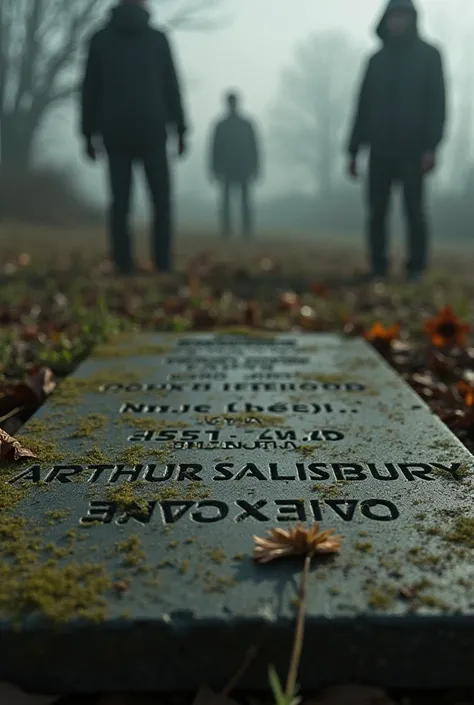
299	630
238	675
10	414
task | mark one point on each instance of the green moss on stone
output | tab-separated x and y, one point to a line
132	455
126	498
89	425
132	552
462	532
381	598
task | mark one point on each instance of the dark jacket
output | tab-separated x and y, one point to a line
130	91
234	149
401	109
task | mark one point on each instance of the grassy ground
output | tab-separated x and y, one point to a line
59	297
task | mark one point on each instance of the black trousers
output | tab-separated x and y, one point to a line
384	172
155	165
228	187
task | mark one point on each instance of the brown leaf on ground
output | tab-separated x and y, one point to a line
11	449
206	696
31	393
43	383
352	695
291	542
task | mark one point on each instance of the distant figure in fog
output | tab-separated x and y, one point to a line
130	95
235	163
400	117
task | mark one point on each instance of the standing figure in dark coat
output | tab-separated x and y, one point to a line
400	117
235	163
130	95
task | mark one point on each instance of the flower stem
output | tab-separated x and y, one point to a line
299	630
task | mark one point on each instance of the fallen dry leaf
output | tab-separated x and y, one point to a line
291	542
43	383
9	695
352	695
11	449
206	696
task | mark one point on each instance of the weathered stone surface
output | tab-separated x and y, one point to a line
158	462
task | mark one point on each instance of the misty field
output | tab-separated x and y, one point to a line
59	297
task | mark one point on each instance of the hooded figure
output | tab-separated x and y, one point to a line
234	161
130	96
400	118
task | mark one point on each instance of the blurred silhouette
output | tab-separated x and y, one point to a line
400	116
235	163
130	94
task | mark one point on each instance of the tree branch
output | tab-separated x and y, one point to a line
30	51
76	24
190	15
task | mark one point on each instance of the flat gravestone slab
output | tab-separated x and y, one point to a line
157	463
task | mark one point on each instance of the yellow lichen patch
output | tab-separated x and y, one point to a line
57	515
153	424
36	426
70	390
196	490
331	490
217	555
162	454
432	602
217	583
173	491
58	593
132	552
244	332
336	378
112	350
306	450
32	582
10	495
89	425
125	497
92	456
132	455
463	531
381	598
47	452
363	546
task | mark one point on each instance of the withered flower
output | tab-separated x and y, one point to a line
382	333
467	392
445	329
295	541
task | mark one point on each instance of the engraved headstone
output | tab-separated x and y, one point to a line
126	546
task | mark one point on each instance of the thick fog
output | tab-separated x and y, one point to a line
253	46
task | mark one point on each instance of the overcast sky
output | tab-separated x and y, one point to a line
257	41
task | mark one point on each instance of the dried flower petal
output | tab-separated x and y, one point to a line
379	332
295	541
445	329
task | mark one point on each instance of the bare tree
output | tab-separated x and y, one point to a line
312	108
40	45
